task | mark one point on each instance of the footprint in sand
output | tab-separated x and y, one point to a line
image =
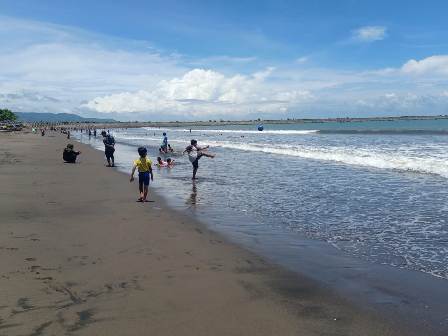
24	304
38	331
9	248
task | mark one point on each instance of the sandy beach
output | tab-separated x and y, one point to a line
79	256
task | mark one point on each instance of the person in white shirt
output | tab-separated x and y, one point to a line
194	154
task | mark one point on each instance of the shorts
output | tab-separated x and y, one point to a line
109	154
195	163
143	178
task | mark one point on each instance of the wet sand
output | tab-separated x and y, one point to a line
79	256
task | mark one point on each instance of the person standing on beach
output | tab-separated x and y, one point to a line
144	166
109	148
194	154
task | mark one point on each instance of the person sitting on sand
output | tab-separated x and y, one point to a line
109	148
194	154
69	155
144	165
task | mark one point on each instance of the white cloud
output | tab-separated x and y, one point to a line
52	68
70	65
434	65
226	59
390	95
370	33
202	92
302	60
405	102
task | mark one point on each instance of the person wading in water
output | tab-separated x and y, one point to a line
194	154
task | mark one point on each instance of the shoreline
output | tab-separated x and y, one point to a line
406	294
80	255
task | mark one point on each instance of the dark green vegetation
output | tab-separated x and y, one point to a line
7	115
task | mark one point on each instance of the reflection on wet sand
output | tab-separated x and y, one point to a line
192	199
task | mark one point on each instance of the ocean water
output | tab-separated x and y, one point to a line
376	191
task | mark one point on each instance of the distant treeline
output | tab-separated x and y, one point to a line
70	118
34	117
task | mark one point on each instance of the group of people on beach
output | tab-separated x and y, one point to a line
69	155
143	164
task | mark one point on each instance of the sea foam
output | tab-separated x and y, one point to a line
399	160
357	157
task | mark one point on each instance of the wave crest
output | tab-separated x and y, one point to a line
356	157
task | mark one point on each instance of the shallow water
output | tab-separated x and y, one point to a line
375	191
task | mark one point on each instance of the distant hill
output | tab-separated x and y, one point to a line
56	117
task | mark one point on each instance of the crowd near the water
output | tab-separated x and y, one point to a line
143	164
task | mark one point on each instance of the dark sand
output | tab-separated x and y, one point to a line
79	256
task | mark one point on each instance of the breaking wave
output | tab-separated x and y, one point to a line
357	157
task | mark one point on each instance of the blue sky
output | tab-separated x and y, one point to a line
224	59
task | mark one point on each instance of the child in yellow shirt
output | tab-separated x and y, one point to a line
144	165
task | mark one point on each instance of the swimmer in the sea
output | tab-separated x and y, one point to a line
168	163
161	163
